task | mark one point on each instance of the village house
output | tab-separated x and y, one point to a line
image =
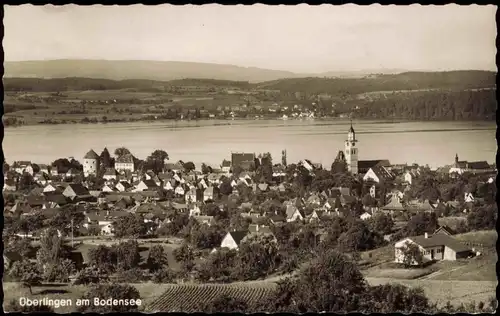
233	239
204	219
433	247
293	214
125	162
75	190
110	174
123	186
22	166
146	185
226	166
210	194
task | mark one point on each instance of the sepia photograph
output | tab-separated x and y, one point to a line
249	158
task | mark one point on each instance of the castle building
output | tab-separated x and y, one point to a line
351	151
90	163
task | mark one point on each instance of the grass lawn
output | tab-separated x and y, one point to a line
485	237
442	291
400	274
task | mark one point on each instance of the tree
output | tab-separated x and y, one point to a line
185	255
21	246
121	151
483	218
358	238
127	255
157	258
219	266
225	187
189	166
411	255
223	304
103	258
164	275
88	275
156	160
258	256
382	223
368	200
131	226
205	169
332	283
111	291
396	298
26	272
68	219
50	251
59	271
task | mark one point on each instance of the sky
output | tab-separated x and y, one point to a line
299	38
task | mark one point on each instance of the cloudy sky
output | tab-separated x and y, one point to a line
297	38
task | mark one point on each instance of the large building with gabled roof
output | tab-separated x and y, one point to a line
91	162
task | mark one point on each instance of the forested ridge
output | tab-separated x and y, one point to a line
457	80
433	105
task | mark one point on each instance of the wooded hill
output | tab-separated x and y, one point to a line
452	80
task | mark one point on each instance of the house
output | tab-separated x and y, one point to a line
180	190
409	175
226	166
125	162
107	188
256	229
443	229
365	165
233	239
433	247
123	186
146	185
75	190
365	216
417	206
22	166
394	205
293	214
210	194
9	185
468	197
277	220
194	195
110	174
209	220
378	174
194	210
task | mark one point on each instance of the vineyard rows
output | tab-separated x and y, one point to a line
186	298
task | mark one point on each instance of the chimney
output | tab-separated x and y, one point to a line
426	235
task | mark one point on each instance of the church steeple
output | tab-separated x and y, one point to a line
351	152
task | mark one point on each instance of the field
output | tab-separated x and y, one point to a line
185	298
440	292
115	105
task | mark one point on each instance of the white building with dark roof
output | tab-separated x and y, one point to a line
91	163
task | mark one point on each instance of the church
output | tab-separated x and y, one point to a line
350	156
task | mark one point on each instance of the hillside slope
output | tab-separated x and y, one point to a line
137	69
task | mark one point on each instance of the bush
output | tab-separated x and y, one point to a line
90	275
59	272
164	275
135	275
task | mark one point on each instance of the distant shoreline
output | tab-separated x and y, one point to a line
323	119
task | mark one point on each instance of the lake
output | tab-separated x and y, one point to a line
432	143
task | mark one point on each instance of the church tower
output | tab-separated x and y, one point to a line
351	152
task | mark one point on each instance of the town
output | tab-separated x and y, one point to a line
117	217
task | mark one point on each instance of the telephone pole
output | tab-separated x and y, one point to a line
72	235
